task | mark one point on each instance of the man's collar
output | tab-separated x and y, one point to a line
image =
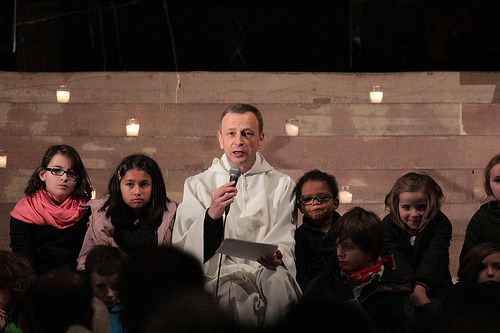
257	163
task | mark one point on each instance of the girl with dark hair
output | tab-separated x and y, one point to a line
418	234
48	225
484	225
136	213
472	304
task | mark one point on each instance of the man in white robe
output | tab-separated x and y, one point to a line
257	293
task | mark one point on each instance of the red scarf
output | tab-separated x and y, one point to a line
365	274
41	210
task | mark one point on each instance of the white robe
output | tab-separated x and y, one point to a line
262	212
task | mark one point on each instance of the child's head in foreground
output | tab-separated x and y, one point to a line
103	265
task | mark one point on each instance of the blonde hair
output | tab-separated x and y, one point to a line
415	182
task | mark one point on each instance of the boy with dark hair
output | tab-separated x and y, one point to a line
317	196
382	291
103	265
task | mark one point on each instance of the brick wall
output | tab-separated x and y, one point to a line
442	123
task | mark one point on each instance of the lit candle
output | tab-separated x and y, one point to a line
376	94
292	127
93	195
132	127
3	161
345	195
62	94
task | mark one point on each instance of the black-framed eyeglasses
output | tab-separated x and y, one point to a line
72	175
322	198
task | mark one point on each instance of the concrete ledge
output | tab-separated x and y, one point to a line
206	87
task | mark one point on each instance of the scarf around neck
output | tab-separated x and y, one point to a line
41	210
364	275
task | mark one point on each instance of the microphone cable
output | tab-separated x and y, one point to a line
234	174
220	258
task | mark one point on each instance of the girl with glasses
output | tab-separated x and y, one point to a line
48	225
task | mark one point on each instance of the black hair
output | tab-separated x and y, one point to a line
59	299
156	206
364	228
150	272
318	175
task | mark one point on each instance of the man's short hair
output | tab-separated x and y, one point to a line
241	108
105	260
364	228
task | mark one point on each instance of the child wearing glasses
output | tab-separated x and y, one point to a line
418	234
136	213
317	196
48	225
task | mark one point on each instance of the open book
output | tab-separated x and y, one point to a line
245	249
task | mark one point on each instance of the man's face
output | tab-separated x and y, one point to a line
240	139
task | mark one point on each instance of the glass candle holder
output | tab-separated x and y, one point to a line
345	195
62	94
132	127
3	158
376	94
292	127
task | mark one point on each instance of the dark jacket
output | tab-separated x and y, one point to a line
385	300
48	247
313	248
472	307
428	260
484	226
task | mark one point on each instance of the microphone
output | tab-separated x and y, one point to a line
234	174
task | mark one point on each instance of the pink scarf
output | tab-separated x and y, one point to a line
364	275
41	210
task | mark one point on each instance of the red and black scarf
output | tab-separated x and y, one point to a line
365	274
